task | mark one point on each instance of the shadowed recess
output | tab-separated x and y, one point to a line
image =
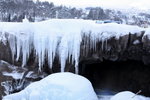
109	77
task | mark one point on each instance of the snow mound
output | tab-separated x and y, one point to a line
58	86
127	95
60	37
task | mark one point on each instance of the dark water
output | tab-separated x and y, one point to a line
104	92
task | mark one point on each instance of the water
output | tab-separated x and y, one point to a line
104	97
104	94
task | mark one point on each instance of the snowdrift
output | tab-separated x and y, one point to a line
59	86
58	37
127	95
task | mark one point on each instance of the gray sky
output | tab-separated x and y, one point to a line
123	4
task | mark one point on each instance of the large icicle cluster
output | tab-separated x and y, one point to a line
57	36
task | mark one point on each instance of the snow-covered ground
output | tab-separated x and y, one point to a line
57	36
59	86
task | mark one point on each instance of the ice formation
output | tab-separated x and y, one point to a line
58	86
57	36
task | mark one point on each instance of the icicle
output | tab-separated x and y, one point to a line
63	51
18	48
25	52
51	48
102	46
12	45
77	50
38	46
76	68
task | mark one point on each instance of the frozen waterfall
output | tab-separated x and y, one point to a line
57	36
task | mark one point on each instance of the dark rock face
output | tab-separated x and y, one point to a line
5	52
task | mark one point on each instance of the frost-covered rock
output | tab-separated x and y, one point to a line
14	78
127	95
59	86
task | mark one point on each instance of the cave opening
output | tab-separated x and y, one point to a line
110	77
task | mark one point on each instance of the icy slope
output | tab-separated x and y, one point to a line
57	36
59	86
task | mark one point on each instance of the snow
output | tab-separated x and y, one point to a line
14	74
60	37
147	33
127	95
58	86
25	20
136	42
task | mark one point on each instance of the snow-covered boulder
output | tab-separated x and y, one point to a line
127	95
59	86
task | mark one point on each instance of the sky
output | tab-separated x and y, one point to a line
122	4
